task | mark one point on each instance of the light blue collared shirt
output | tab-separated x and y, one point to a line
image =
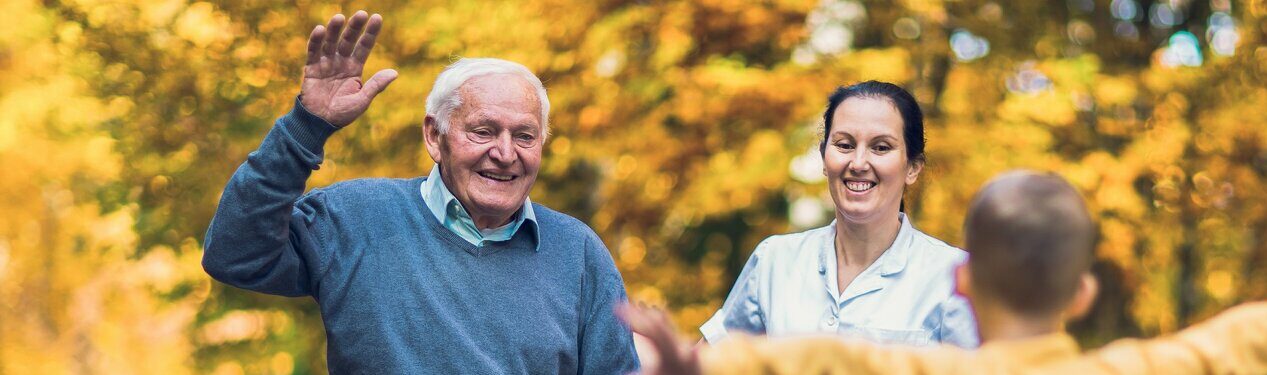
905	297
449	211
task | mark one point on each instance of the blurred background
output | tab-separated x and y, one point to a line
684	133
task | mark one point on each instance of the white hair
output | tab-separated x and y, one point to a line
444	98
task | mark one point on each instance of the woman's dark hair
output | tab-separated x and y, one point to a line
912	117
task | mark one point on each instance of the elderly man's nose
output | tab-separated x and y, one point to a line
503	150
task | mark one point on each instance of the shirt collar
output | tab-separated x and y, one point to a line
891	262
443	204
894	259
436	194
530	222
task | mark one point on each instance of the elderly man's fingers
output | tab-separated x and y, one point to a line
366	43
355	26
333	30
314	44
378	83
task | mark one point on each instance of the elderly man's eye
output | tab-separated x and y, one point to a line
480	135
525	139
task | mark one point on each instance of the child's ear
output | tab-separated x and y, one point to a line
963	280
1083	298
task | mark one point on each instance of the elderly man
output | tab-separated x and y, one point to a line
457	272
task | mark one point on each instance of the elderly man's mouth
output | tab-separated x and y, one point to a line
498	177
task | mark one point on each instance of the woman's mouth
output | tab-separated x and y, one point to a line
859	186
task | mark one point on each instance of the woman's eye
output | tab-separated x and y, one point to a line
883	148
844	146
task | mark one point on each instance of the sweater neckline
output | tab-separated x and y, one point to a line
453	240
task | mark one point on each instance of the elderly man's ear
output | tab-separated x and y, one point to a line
431	137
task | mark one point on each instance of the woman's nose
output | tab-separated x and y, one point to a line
859	162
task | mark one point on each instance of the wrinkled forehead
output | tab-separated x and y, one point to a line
507	93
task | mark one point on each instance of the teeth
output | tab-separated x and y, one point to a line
497	177
859	185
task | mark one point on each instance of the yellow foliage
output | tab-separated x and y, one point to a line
1111	91
888	65
675	130
203	26
1049	107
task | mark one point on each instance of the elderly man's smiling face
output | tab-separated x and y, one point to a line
491	152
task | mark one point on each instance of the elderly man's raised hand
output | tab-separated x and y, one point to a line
332	87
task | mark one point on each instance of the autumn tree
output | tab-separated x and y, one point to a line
685	132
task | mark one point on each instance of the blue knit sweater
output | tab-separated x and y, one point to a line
398	292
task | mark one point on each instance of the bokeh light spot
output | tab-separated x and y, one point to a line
906	28
1126	10
1182	50
968	46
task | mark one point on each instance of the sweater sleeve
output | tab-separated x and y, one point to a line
606	345
261	239
818	354
1232	342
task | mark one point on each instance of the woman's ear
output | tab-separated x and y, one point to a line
912	170
1083	298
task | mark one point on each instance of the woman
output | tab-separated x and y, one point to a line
869	274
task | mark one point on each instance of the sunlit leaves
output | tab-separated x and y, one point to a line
681	132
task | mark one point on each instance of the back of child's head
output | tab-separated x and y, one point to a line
1030	240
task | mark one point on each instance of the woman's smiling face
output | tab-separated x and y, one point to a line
865	160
